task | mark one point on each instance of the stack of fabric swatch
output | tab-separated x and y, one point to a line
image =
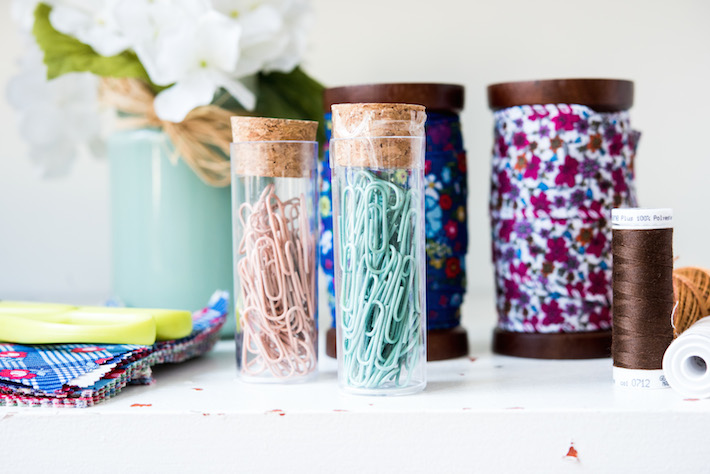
82	375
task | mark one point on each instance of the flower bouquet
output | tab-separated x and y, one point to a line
174	70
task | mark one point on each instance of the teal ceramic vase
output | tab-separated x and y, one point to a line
172	233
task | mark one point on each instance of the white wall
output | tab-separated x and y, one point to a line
54	234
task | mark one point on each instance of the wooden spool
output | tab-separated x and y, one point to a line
602	95
441	343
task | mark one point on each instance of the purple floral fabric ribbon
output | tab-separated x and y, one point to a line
557	171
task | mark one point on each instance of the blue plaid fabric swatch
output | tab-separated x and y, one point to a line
46	369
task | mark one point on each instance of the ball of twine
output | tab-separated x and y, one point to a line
691	286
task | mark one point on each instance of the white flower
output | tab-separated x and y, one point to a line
92	22
432	186
193	47
55	116
23	13
261	24
151	25
200	61
298	18
273	37
187	45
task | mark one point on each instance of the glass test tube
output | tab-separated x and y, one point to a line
377	157
275	268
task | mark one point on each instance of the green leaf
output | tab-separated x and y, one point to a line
64	54
294	95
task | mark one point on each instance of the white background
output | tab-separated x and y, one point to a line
54	235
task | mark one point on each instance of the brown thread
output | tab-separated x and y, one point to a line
643	297
691	286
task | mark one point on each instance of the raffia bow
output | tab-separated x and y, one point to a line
202	139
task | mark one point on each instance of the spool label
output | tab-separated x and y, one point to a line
642	218
639	379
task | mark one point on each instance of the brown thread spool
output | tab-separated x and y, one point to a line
691	287
642	248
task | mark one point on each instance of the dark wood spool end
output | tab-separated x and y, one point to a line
575	345
441	97
442	344
445	344
330	343
602	95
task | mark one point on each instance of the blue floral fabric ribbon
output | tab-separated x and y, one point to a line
445	214
325	212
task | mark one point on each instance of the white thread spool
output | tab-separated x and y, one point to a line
685	363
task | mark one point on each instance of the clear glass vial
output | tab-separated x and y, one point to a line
377	158
275	268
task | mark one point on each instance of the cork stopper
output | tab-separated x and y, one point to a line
378	135
261	147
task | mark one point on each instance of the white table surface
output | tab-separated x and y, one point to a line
482	413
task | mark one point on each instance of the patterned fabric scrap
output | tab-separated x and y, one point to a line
557	171
445	214
50	374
